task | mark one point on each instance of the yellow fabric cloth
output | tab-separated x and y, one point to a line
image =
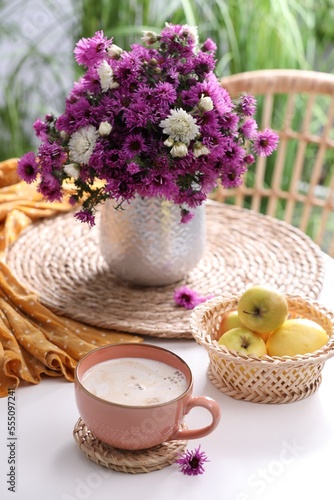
33	340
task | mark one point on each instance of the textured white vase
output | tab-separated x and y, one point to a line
145	244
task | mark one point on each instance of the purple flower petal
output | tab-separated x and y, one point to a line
188	298
85	216
191	462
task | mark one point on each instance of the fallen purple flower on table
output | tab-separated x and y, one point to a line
188	298
191	462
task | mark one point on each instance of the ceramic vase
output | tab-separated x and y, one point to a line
146	244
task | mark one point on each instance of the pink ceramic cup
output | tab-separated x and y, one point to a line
140	427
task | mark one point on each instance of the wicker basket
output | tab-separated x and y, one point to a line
269	379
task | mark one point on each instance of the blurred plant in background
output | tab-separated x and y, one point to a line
40	34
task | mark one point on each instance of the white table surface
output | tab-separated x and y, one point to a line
258	452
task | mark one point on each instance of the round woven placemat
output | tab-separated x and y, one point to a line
133	462
59	259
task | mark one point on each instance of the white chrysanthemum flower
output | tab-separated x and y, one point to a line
105	128
180	126
200	150
205	103
72	170
106	76
82	144
179	149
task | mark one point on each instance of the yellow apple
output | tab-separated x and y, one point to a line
230	320
243	340
296	336
262	309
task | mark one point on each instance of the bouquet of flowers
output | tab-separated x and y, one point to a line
152	121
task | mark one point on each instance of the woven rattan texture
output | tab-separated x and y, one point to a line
299	105
133	462
266	379
60	260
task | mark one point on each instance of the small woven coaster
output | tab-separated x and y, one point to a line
133	462
59	259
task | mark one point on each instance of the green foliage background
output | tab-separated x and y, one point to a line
250	34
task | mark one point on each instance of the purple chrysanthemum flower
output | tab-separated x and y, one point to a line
40	128
203	64
186	215
73	200
133	145
79	113
188	298
249	128
85	216
266	142
90	51
232	177
209	46
133	168
139	114
191	462
90	82
164	92
50	187
158	184
179	39
129	66
248	104
27	167
230	122
234	155
52	156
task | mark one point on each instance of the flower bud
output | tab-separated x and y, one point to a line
249	159
200	149
105	128
63	135
113	84
169	142
179	150
114	51
149	37
205	103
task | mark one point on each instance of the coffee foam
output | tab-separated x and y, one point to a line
135	381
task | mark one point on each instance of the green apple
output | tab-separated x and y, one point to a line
230	320
243	340
296	336
262	309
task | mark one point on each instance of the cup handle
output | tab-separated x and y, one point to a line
212	406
